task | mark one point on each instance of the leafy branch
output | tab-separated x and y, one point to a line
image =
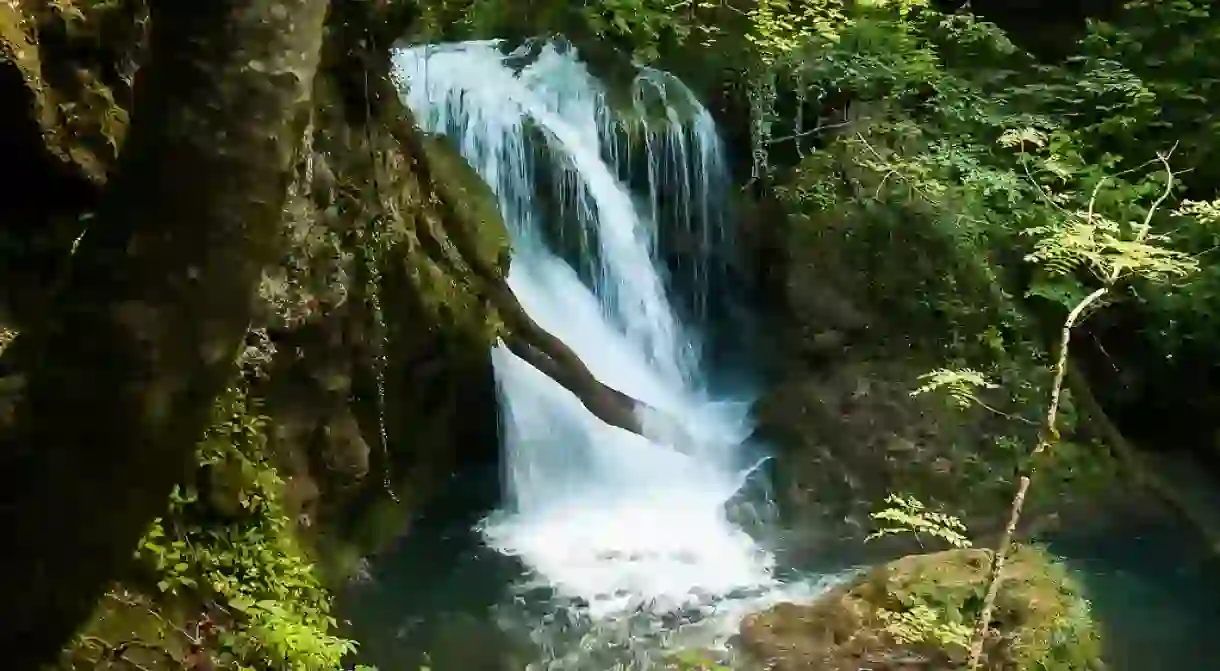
1113	254
250	566
924	624
906	514
960	385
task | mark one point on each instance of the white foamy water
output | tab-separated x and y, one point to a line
601	515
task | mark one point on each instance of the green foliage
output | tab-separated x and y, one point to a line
6	336
960	385
248	563
950	160
906	514
648	24
1205	212
694	660
780	27
924	624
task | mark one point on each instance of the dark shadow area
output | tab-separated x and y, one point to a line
1153	589
428	600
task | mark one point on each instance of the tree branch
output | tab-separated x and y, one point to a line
1050	434
542	350
812	131
143	335
1164	159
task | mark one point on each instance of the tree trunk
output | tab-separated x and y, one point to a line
542	350
143	336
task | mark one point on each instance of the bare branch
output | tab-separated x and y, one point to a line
1050	435
1164	158
818	129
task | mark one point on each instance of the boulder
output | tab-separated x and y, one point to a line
917	613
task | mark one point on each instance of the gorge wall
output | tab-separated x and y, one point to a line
367	365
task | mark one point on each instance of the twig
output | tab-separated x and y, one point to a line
133	603
1006	415
1164	158
895	171
1041	190
727	5
818	129
112	653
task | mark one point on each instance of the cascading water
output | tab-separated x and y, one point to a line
602	517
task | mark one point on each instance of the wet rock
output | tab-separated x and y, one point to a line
1041	620
344	446
226	489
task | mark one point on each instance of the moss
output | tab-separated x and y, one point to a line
143	628
386	229
18	49
1043	619
81	121
476	202
447	281
877	291
364	226
1039	606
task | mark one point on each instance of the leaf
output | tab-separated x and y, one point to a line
907	514
1021	137
959	384
1068	294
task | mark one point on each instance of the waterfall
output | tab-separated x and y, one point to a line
602	516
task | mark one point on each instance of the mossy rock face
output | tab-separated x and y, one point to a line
79	102
65	92
145	633
376	275
475	201
1041	620
866	297
386	228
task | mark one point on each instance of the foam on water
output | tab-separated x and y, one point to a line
602	516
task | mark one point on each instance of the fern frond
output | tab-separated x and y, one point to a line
924	624
1205	212
959	384
1018	137
1107	250
907	514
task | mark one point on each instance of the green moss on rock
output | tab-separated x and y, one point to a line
873	290
134	623
1041	622
392	239
473	198
377	274
77	111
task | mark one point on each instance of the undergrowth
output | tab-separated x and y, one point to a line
227	541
